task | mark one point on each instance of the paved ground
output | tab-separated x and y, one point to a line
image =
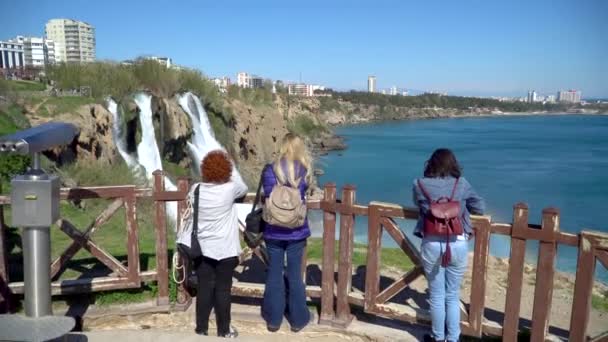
179	326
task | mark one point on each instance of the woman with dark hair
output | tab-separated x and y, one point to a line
218	235
444	257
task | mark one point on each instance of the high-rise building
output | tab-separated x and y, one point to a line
570	96
394	90
532	96
37	51
245	80
371	84
74	40
11	55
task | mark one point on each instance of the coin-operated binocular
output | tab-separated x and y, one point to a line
35	207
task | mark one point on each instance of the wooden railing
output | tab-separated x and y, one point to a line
337	296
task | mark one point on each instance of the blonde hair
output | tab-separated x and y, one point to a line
292	149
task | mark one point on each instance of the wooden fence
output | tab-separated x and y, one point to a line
335	291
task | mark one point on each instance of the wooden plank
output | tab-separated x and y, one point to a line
583	290
132	238
599	240
85	285
515	275
114	191
501	228
160	230
327	277
602	257
396	287
479	277
256	290
374	247
395	210
5	292
404	313
545	270
567	239
403	241
345	261
343	208
603	337
81	241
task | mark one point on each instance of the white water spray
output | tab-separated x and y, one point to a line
203	139
119	136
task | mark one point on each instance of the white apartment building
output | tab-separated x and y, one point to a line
37	51
300	89
246	80
74	40
371	84
222	83
570	96
11	55
394	90
164	61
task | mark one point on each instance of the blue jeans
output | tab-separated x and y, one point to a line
444	285
285	297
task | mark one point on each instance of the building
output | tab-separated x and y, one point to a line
532	96
550	98
569	96
74	40
394	90
405	93
222	83
300	89
37	51
164	61
371	84
11	55
244	80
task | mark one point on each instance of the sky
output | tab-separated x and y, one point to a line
465	47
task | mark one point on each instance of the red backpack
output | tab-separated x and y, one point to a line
442	219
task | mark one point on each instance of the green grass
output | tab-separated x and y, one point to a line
65	104
25	85
305	126
174	170
390	258
599	302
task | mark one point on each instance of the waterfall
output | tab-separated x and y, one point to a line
119	135
203	139
148	157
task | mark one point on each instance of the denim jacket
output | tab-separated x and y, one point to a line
470	202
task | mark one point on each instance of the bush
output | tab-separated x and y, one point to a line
305	126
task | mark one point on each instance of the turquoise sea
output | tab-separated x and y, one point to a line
556	160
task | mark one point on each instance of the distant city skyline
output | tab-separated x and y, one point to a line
480	49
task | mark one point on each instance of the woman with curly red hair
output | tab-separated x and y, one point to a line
218	235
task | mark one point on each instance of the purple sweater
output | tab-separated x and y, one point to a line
269	180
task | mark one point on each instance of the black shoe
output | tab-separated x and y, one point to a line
271	328
201	332
233	333
428	338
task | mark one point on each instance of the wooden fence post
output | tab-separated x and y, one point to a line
345	262
183	298
478	279
583	289
162	262
5	292
545	271
372	268
516	270
327	276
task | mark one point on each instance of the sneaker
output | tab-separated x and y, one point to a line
271	328
233	333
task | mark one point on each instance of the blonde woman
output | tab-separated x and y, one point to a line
292	167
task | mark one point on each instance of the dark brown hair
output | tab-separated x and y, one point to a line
442	164
216	167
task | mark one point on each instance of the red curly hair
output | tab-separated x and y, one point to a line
216	167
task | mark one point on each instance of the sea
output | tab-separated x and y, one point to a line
543	160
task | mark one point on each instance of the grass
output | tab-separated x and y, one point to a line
53	106
19	85
305	126
390	259
600	302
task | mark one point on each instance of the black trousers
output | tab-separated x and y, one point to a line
214	284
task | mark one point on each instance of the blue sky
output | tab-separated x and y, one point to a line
466	47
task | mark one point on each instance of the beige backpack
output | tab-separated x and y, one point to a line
285	207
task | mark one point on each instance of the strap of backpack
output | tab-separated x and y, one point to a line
426	194
259	191
454	189
195	211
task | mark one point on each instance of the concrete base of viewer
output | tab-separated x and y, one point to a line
179	326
